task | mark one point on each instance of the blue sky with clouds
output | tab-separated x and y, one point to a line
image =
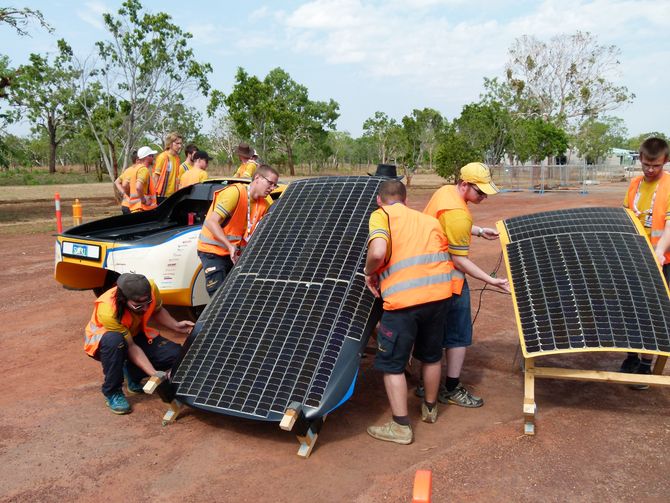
391	55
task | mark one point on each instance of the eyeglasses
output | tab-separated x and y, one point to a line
138	306
477	189
274	185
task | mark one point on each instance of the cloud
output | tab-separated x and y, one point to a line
92	14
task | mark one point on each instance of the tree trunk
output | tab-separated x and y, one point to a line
115	161
52	148
289	155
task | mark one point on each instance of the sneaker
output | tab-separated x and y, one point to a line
460	396
134	387
421	392
392	432
630	364
428	416
642	370
117	403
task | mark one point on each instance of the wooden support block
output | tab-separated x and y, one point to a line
423	486
173	412
307	444
659	365
601	376
291	415
153	382
529	405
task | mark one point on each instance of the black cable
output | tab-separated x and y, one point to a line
481	290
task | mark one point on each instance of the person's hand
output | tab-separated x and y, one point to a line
490	234
501	283
372	282
184	327
661	257
234	253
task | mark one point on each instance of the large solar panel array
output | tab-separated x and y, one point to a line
289	323
585	290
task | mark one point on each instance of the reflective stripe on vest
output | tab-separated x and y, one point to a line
95	330
448	198
419	270
660	209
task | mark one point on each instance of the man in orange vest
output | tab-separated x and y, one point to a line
649	197
167	167
407	265
119	331
248	165
198	171
449	205
231	220
138	183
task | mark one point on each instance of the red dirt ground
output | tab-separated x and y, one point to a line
58	441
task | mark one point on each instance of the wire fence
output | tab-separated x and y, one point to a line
553	177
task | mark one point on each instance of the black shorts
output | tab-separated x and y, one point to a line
420	326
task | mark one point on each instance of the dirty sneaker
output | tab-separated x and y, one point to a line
642	370
117	403
630	364
428	416
392	432
460	396
134	387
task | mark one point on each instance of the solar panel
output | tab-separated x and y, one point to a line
292	318
568	221
588	281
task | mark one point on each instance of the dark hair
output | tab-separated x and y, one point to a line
653	148
133	156
120	300
190	149
392	191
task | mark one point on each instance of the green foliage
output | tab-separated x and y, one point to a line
486	128
634	142
421	130
596	138
388	136
453	152
19	18
536	139
41	176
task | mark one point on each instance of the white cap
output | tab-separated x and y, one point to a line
145	152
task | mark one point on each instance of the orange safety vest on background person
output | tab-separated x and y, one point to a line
137	202
162	187
444	199
659	211
95	330
235	227
419	269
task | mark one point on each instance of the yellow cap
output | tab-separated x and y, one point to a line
479	174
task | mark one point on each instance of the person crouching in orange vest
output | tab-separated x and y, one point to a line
649	198
407	265
119	331
231	220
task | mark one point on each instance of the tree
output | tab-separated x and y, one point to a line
276	113
634	142
45	92
381	129
534	139
565	79
19	18
453	152
146	67
596	138
421	129
486	128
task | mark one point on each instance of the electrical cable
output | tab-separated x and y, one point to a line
481	290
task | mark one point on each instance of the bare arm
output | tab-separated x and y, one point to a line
663	244
137	356
164	318
213	223
464	264
485	232
373	262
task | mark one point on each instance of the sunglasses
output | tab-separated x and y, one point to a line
274	185
138	306
477	189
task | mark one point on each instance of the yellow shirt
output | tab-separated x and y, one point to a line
646	190
107	315
246	170
226	202
171	163
457	225
193	175
379	228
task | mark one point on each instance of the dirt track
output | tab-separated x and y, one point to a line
58	442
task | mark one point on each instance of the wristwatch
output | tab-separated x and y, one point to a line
480	232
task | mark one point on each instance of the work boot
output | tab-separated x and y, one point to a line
641	370
134	387
630	364
428	416
392	432
460	396
117	403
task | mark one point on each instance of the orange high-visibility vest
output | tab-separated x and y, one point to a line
137	202
419	270
192	176
95	329
234	227
163	186
448	198
660	209
126	198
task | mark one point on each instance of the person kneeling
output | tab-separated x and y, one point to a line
119	337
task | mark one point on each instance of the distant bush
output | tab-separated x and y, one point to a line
41	176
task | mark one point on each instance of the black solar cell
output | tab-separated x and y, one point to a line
292	318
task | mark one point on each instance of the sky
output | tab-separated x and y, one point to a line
392	55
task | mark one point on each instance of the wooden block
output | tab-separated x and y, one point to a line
307	443
153	382
423	486
659	365
289	419
172	412
529	407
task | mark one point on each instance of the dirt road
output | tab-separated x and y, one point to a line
58	441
